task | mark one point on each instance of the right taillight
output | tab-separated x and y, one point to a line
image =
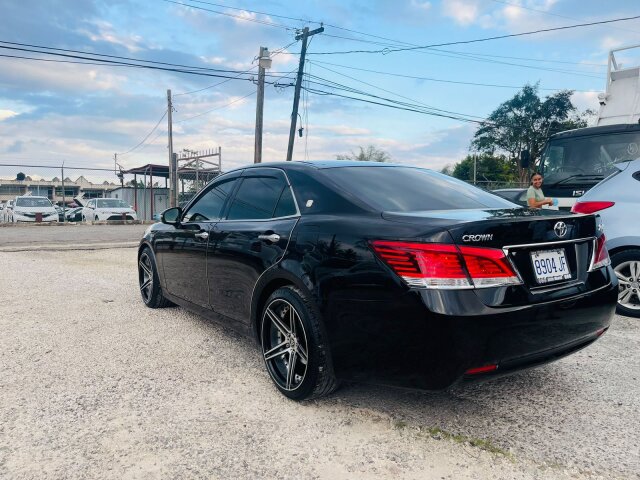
445	266
600	253
591	207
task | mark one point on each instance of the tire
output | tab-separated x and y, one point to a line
626	264
148	281
292	333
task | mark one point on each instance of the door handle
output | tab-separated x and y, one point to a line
202	235
273	238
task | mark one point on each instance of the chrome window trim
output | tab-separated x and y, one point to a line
526	245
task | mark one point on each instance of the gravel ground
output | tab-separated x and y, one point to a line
106	388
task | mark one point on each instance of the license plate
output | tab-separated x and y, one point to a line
550	265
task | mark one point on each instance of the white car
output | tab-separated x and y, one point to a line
28	208
6	213
98	209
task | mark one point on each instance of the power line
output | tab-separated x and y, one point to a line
393	93
431	79
262	22
477	40
148	135
129	59
550	13
273	54
217	108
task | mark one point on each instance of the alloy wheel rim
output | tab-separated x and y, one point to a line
628	274
145	276
284	345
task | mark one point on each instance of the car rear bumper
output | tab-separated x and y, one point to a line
401	342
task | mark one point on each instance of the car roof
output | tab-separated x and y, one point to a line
323	164
587	131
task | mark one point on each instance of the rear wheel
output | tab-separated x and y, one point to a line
295	347
626	264
149	284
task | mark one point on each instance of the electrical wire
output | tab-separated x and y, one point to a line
217	108
215	84
551	13
129	59
148	135
262	22
386	51
431	79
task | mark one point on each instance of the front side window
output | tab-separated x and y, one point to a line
257	198
209	206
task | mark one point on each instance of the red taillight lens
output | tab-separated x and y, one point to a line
423	264
600	253
591	207
488	267
484	369
445	266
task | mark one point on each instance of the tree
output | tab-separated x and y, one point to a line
368	154
489	169
525	121
20	176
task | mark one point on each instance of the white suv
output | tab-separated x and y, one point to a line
27	209
107	209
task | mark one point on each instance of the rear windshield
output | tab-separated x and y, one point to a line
32	202
112	203
407	189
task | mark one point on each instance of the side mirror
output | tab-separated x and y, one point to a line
171	216
525	158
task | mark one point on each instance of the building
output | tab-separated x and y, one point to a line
140	199
52	189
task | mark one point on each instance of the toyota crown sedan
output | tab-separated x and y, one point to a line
380	273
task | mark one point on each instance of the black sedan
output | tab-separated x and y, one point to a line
380	273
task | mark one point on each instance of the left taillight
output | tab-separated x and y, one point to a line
600	253
446	266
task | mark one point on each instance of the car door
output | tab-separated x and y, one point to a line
252	237
88	210
182	250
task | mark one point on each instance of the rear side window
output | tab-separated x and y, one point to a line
209	206
257	198
405	189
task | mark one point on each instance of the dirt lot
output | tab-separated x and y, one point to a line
95	385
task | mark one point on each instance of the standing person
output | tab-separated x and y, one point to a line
535	196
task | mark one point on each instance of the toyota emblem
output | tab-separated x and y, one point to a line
561	229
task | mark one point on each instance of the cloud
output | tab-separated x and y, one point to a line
4	114
585	100
463	12
106	33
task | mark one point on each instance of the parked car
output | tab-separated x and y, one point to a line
74	215
107	209
60	211
8	209
27	208
617	201
380	272
515	195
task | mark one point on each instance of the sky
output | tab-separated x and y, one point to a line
82	114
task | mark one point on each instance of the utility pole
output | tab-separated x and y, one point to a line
296	97
64	202
264	61
172	171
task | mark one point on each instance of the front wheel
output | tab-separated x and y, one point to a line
626	264
295	345
149	283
